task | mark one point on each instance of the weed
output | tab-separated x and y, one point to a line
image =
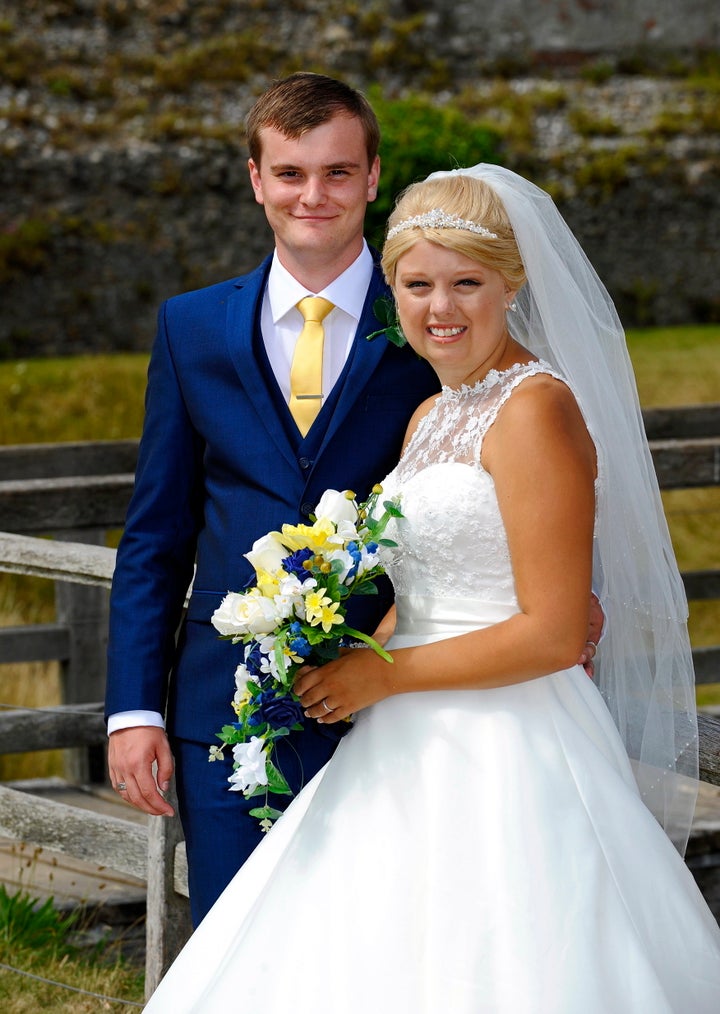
25	922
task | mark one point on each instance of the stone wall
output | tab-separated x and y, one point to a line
122	158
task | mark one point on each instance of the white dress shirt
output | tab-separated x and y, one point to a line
280	324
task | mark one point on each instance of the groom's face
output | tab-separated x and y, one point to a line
315	189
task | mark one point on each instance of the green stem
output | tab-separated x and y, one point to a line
371	642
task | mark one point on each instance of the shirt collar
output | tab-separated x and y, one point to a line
347	291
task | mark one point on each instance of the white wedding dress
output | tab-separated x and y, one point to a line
464	852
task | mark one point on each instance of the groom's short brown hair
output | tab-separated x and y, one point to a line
296	104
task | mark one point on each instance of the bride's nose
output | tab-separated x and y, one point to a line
442	301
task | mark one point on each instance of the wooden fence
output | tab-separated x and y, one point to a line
76	492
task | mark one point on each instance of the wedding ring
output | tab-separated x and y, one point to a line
121	787
325	705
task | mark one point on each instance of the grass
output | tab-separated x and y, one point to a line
37	939
79	398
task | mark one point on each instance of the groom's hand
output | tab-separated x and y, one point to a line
132	754
596	623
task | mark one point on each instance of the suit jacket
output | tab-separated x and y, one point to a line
221	463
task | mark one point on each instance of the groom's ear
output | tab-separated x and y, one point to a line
255	180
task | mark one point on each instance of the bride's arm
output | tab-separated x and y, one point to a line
543	465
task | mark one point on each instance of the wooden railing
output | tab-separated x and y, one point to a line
78	491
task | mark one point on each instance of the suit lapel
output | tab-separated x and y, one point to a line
242	313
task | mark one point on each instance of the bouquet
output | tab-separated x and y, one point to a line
292	616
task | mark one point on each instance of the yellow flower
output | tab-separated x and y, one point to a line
269	584
313	537
321	610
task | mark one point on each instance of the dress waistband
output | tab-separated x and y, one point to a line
425	616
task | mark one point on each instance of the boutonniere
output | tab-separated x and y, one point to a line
385	311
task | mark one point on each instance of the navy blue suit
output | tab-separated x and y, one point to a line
221	463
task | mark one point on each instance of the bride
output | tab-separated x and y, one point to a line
481	842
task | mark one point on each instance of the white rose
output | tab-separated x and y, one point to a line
251	613
336	507
251	771
267	553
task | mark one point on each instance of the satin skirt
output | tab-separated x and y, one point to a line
465	852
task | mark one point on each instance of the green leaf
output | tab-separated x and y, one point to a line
276	781
384	310
265	813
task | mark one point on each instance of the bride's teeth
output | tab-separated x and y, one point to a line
445	332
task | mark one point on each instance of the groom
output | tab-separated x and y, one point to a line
223	461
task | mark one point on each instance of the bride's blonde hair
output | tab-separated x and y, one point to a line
463	197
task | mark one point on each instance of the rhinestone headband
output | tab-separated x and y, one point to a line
439	219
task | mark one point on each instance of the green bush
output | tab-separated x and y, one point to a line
419	138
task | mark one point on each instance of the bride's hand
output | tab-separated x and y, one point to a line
338	689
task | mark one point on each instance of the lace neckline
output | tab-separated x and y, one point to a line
492	377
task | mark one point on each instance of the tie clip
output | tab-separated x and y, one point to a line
308	397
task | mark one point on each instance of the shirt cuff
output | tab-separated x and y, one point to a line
132	719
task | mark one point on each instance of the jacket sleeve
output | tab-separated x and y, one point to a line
156	553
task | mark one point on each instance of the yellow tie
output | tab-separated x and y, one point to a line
306	370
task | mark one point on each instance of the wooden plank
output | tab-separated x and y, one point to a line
168	925
682	421
28	729
709	729
43	823
685	464
701	584
707	664
50	461
42	505
39	642
61	561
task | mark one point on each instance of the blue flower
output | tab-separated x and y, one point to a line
253	659
293	564
299	646
278	712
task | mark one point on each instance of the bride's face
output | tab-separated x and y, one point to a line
452	310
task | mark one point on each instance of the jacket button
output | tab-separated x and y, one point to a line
307	508
304	462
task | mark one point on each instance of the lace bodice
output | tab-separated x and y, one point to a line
451	539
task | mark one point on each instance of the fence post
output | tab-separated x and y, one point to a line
83	609
168	913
